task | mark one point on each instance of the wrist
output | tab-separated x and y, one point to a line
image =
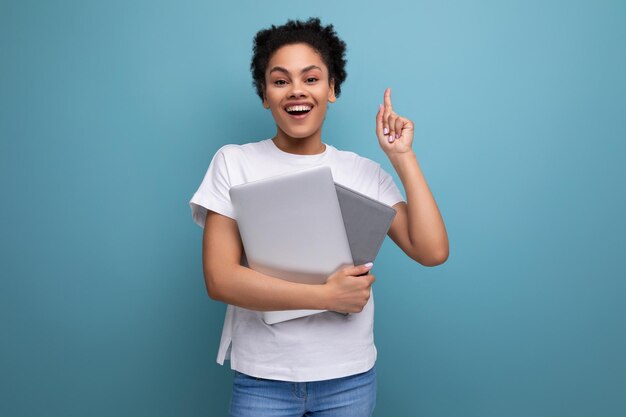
398	159
319	297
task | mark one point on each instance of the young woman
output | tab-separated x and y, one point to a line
320	365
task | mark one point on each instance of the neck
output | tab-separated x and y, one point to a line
311	145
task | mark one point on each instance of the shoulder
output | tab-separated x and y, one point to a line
356	172
233	150
233	153
356	162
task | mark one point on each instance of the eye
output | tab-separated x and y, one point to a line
280	83
311	80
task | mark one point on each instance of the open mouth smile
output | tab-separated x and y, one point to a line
298	111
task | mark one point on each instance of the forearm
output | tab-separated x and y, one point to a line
426	230
346	290
244	287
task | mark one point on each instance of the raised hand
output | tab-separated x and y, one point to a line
395	133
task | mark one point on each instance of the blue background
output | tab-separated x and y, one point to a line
110	113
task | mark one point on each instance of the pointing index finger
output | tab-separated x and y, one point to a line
388	98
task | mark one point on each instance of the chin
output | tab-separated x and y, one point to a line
300	133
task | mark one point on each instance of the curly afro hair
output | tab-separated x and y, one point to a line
322	39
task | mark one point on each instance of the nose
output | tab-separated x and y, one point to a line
297	90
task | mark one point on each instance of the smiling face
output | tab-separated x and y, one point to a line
297	91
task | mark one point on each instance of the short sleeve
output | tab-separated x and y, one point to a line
388	192
213	191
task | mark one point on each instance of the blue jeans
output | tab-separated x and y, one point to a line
351	396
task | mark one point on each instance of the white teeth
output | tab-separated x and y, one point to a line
298	108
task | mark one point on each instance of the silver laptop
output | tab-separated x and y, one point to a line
292	228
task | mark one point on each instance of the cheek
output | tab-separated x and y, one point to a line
274	106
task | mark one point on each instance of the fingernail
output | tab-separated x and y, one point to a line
397	136
385	131
390	138
369	265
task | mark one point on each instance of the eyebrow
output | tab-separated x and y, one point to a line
305	69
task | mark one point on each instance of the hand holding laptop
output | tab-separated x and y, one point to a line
348	289
302	227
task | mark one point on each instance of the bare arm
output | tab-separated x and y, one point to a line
418	228
228	281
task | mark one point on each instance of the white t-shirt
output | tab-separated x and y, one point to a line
318	347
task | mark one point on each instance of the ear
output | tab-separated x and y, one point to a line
265	103
331	94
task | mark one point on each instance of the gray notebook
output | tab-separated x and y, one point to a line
366	221
292	228
302	227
